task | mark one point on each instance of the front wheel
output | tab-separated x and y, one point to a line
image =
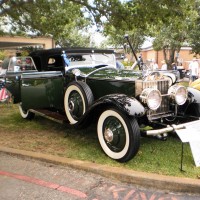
26	114
118	134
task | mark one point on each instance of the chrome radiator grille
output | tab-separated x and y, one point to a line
162	86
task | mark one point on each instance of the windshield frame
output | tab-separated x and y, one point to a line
91	59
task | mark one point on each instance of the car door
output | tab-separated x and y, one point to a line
42	90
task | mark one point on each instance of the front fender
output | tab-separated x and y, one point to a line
193	107
194	94
128	105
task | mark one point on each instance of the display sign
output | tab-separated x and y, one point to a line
195	148
191	133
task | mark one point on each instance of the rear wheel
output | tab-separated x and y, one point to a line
26	114
118	134
78	97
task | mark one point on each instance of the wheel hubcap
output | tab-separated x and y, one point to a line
108	134
114	134
75	105
71	106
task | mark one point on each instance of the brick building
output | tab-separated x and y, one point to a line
184	56
12	42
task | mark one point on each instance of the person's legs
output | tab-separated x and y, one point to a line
195	78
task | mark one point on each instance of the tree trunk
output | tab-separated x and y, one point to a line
165	53
171	57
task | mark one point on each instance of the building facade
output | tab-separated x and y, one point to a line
183	57
12	42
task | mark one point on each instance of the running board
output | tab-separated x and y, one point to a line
54	116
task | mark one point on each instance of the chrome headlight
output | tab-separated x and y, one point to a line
178	93
151	97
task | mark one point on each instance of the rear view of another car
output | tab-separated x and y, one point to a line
14	67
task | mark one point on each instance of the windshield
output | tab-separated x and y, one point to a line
93	59
21	64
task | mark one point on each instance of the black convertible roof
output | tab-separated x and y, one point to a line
69	50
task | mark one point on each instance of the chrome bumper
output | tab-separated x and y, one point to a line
170	128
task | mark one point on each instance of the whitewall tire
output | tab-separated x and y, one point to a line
118	135
78	97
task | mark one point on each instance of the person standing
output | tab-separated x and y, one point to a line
174	67
194	69
164	65
154	65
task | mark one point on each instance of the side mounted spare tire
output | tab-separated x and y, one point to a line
26	114
118	134
78	97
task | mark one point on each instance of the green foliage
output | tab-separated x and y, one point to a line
24	53
7	6
171	22
169	39
194	33
60	19
171	35
116	38
2	55
72	37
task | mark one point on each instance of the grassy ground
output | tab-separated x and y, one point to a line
45	136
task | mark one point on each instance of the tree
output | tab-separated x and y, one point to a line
60	19
117	41
168	21
171	38
194	34
7	6
173	35
171	22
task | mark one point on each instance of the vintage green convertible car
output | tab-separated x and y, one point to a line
84	86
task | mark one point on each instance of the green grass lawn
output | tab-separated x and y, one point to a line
46	136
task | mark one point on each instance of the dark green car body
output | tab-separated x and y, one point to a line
46	89
85	86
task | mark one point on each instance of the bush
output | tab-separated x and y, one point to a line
2	55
